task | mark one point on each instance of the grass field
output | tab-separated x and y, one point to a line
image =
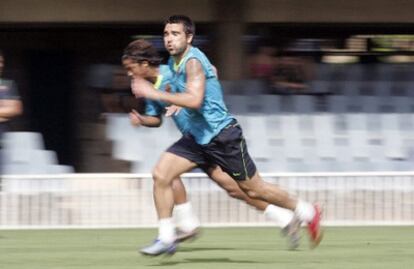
360	248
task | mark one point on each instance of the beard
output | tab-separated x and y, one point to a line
177	51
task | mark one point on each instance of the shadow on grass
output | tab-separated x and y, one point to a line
191	249
202	260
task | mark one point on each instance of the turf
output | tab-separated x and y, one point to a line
360	248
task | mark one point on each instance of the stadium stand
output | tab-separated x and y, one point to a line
364	124
24	153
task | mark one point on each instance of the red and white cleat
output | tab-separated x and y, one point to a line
314	227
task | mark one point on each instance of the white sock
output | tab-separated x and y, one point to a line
184	217
166	230
305	211
278	214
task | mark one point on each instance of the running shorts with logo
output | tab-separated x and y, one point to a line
228	150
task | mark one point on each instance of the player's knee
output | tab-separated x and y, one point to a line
251	192
235	193
160	178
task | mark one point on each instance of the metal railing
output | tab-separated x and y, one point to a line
125	200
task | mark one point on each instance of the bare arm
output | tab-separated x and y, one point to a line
191	98
137	119
10	109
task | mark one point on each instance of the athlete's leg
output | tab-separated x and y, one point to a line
228	149
186	221
283	217
232	188
180	193
257	188
169	167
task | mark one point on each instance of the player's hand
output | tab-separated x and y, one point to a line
135	118
172	110
142	88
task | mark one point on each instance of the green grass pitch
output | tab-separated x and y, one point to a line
344	247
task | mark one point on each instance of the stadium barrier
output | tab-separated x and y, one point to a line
125	200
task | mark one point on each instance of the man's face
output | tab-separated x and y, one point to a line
176	40
135	69
1	64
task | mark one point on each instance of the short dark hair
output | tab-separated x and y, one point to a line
142	50
189	26
1	53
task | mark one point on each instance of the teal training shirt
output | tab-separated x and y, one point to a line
156	108
207	121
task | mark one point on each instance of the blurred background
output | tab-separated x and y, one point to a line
318	86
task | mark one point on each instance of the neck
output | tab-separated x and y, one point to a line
179	57
153	74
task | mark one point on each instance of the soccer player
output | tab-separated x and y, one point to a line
141	59
215	135
10	103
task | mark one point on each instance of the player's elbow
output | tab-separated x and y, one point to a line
18	110
14	109
154	125
195	104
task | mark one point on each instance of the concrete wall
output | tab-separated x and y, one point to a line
62	11
348	11
397	11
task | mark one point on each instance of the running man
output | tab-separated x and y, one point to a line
215	136
141	59
10	104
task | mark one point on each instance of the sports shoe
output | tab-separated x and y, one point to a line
292	232
158	247
187	236
314	227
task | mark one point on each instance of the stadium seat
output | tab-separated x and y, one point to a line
22	140
24	153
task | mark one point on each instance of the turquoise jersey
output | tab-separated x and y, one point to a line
156	108
207	121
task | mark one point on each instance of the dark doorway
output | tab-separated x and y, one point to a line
50	76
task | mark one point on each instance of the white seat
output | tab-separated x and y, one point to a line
291	136
253	87
383	88
402	104
304	104
320	86
254	129
324	135
392	137
116	125
22	140
357	134
271	104
237	104
337	104
60	169
350	88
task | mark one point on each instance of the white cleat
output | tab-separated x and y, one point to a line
187	236
292	232
158	248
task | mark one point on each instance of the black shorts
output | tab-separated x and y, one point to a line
227	150
187	148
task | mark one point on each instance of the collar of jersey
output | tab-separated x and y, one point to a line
157	83
176	66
